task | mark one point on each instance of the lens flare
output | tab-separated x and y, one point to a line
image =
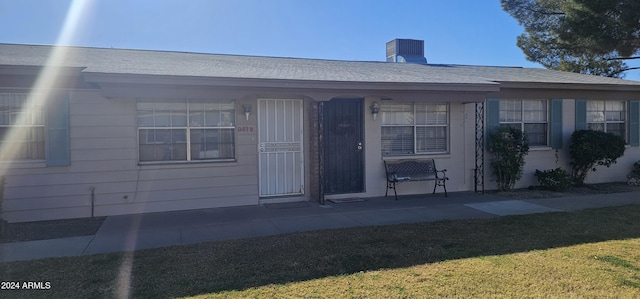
51	77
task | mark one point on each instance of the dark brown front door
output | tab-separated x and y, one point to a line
343	146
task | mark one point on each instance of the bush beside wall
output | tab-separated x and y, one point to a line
554	179
508	146
590	148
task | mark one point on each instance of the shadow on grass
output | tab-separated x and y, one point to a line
240	264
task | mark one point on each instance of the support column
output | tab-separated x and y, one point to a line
479	136
316	161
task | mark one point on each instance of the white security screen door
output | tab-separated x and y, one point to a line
280	130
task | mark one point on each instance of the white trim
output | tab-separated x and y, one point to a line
265	150
187	130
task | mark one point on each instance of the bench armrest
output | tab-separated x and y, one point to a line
392	176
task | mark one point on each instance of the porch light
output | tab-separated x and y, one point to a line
375	108
247	110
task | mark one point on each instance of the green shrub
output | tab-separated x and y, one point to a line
635	171
591	148
508	146
554	179
633	178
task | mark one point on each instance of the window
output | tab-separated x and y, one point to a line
21	127
530	116
419	128
607	116
191	130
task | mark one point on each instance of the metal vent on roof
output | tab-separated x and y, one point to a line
406	50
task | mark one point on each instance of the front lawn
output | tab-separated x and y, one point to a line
591	253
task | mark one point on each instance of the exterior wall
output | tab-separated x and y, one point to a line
459	162
544	158
104	159
104	163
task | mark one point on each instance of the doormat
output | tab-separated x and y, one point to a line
287	205
346	200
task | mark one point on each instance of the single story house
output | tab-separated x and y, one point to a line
93	131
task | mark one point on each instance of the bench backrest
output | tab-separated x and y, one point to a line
411	168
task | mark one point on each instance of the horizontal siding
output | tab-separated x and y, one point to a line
77	167
104	154
69	178
102	143
189	204
185	173
192	193
90	104
103	138
49	203
126	198
108	132
36	214
248	160
250	140
181	184
31	192
244	150
115	165
114	120
128	187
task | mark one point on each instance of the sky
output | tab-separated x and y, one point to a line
475	32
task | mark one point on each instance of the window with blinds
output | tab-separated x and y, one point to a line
607	116
21	128
414	128
529	116
192	130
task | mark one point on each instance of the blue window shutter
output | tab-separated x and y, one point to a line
555	127
493	115
634	123
581	115
57	130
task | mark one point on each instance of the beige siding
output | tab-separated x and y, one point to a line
104	159
176	205
104	150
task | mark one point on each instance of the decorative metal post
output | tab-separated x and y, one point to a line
321	152
479	169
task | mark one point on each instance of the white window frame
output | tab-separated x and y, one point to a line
29	120
188	128
605	122
410	121
520	121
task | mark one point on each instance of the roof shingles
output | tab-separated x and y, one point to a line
145	62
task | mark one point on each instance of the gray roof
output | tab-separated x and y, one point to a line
146	62
533	75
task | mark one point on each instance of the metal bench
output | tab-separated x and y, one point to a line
414	170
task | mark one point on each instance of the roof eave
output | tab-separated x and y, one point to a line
570	86
111	78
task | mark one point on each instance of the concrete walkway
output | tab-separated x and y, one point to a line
153	230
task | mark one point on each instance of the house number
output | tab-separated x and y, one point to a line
246	129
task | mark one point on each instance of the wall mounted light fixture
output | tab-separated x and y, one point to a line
375	108
247	110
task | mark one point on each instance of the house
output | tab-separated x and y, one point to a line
91	131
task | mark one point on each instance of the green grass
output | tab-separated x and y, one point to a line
587	254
